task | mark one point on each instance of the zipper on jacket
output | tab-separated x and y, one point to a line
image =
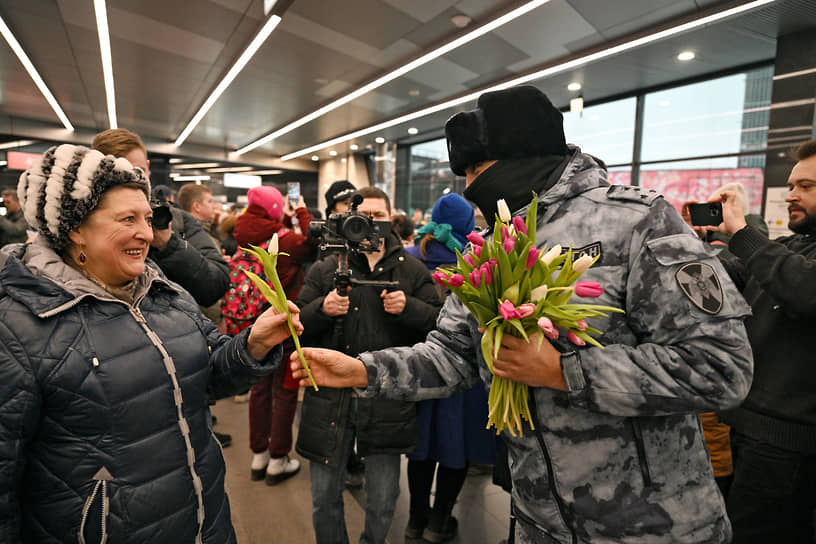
101	477
641	453
559	501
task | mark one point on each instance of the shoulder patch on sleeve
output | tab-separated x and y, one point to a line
699	282
632	194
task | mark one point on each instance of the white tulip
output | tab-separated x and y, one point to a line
273	245
580	266
504	211
550	256
538	293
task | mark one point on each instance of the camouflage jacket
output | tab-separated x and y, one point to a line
620	457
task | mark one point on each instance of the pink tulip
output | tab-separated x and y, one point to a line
532	257
589	289
494	262
505	233
457	280
476	278
519	224
575	339
488	273
508	311
526	310
477	250
469	260
475	238
441	278
509	244
581	324
548	328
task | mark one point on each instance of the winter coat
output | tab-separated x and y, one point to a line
619	456
192	260
776	277
255	227
383	426
105	429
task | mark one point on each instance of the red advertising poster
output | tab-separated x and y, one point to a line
20	160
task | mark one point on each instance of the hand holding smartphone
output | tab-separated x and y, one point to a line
706	214
293	192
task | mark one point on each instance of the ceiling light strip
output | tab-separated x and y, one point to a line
575	63
107	63
18	50
794	74
402	70
17	143
242	61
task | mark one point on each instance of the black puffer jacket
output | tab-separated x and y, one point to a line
106	402
383	426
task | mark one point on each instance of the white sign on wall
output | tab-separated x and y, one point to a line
776	212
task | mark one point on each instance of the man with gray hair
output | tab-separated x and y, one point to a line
13	224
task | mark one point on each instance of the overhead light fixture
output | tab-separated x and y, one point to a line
3	163
460	20
35	75
242	61
413	92
17	143
574	86
413	130
194	165
686	55
175	160
379	140
230	169
354	147
343	159
315	158
402	70
107	63
191	178
265	172
333	153
539	74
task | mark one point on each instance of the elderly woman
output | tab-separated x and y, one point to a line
105	367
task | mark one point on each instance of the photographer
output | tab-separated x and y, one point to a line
368	317
183	250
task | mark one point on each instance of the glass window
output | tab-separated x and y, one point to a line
714	117
696	180
429	177
606	130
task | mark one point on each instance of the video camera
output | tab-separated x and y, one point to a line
350	231
161	214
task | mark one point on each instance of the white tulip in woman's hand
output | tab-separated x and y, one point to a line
270	329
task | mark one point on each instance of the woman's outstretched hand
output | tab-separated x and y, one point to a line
270	329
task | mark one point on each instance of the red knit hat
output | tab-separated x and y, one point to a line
269	198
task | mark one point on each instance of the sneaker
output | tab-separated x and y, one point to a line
437	533
258	465
223	438
280	468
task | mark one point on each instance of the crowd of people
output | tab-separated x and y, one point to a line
126	311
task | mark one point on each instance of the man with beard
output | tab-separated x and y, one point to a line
773	495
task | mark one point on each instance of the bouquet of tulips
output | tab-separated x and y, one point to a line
512	287
275	294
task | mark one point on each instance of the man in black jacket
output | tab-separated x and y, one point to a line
773	496
367	318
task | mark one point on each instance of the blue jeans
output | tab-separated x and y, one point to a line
382	474
773	494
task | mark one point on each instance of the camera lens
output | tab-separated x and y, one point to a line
355	228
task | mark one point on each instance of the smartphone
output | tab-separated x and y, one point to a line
293	191
706	213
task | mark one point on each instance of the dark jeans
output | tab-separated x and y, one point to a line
271	412
773	495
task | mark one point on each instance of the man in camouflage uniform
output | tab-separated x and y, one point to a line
617	454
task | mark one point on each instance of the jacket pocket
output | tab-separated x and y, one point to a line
96	507
643	461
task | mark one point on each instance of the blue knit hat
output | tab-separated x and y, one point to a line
452	217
